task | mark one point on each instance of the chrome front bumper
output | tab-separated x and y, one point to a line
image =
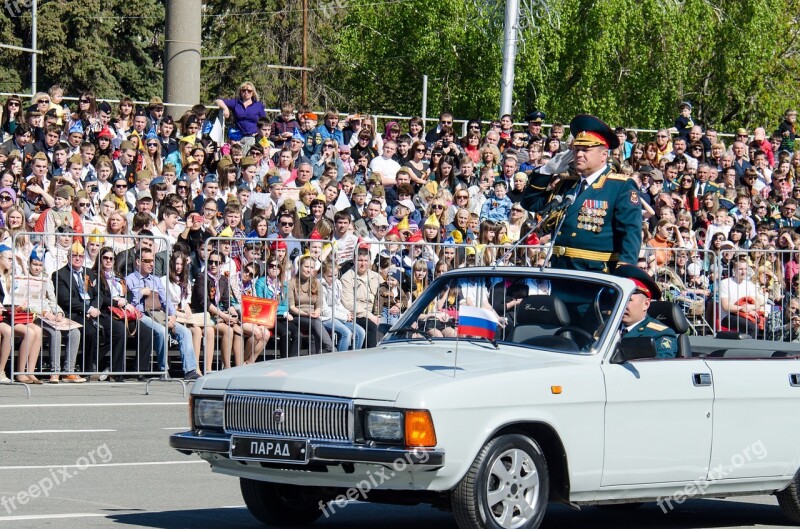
319	452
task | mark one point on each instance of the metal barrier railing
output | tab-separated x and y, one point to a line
328	295
66	291
714	294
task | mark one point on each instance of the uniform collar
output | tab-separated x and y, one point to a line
592	178
632	327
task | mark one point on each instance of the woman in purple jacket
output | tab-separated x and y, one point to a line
246	110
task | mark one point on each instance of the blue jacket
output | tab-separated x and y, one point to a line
496	209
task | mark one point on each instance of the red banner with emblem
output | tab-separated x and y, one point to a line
259	311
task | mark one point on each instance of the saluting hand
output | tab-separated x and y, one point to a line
559	163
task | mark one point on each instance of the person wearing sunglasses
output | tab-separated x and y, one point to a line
212	292
246	111
445	120
148	294
328	154
12	109
84	208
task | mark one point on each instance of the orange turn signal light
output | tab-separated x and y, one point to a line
556	390
419	429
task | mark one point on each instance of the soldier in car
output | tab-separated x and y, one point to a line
636	322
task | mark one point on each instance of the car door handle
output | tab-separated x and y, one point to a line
794	380
701	379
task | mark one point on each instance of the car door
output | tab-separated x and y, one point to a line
756	406
657	421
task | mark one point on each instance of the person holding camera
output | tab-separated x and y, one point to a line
667	236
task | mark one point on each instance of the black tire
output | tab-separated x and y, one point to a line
282	505
789	500
481	497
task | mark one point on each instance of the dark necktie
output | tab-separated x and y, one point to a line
79	279
582	187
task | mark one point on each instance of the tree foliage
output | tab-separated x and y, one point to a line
113	47
267	32
630	61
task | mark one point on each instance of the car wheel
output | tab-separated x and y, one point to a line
277	504
789	500
506	486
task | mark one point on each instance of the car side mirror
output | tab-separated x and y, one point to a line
634	348
384	328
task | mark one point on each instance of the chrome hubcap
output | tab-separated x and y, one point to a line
512	489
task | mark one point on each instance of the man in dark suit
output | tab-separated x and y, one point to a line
74	296
445	120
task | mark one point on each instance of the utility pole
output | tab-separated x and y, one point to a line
304	96
182	42
510	35
34	45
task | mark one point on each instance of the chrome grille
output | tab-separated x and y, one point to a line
303	417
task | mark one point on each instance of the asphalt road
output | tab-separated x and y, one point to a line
101	452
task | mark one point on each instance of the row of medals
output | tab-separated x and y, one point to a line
592	218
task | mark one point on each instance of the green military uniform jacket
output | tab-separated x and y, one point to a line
602	226
665	338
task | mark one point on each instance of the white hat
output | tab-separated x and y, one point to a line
694	269
380	220
407	203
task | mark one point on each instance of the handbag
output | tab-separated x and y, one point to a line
158	316
21	317
129	314
259	311
759	318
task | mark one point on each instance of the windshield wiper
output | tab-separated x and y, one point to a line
425	334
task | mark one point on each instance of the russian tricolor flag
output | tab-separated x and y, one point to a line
475	321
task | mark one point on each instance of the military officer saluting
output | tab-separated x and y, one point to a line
636	322
603	226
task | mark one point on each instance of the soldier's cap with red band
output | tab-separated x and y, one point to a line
590	131
644	283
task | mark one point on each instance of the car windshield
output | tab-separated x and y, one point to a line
533	310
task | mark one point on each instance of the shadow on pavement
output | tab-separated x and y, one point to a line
693	514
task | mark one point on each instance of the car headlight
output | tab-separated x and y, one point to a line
208	413
384	425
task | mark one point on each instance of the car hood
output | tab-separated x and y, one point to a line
383	372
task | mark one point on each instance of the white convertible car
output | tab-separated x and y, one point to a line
557	408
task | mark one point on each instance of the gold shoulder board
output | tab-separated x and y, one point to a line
617	176
656	326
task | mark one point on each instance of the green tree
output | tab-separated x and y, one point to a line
629	61
267	32
384	49
113	47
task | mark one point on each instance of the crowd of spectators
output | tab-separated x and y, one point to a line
344	224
